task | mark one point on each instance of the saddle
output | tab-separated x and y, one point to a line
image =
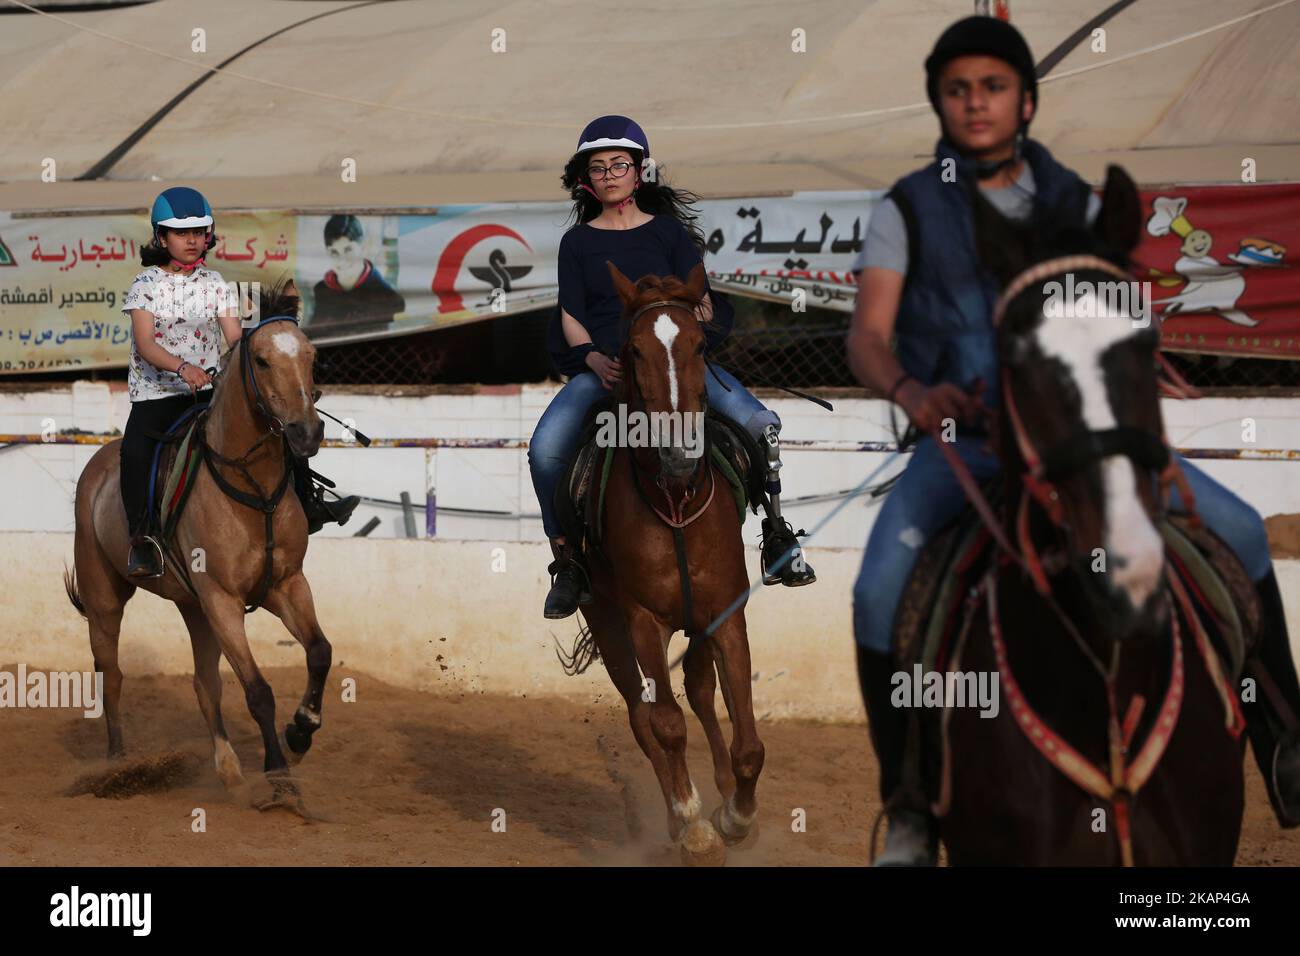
930	611
580	497
176	462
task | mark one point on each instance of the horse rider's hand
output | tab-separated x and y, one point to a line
195	377
928	408
608	370
704	311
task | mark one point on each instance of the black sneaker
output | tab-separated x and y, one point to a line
569	588
795	572
144	560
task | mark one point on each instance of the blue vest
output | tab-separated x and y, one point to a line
944	327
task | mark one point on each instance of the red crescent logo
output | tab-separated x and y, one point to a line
453	257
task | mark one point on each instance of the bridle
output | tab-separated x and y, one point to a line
1043	470
676	517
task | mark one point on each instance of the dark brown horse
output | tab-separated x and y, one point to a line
1117	739
659	498
263	407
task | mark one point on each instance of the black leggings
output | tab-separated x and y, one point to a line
155	415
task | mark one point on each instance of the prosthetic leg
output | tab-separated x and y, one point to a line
782	557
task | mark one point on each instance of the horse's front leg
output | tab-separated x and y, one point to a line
740	809
700	843
291	601
226	614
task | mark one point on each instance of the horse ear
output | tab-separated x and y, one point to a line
1119	222
697	282
1002	247
622	285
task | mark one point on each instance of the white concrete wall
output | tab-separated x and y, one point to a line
38	481
435	616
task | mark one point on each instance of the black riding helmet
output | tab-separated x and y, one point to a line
983	36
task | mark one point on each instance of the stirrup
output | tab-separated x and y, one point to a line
143	541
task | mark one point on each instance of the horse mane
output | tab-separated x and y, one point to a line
281	299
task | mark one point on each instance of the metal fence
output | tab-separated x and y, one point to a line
768	346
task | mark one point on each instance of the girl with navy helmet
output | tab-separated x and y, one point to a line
180	311
921	285
625	213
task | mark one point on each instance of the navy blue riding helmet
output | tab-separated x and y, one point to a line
611	132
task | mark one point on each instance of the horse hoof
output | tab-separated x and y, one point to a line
729	837
701	845
284	795
295	743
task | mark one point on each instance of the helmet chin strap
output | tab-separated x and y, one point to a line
188	268
630	198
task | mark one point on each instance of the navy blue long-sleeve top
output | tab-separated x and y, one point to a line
660	247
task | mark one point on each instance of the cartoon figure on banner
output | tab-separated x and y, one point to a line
1207	284
353	295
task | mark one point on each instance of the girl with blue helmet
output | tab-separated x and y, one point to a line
180	312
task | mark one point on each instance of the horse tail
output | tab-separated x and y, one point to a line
70	585
582	655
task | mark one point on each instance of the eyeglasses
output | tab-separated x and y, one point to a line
616	170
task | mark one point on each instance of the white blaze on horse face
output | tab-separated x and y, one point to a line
286	342
666	332
1134	551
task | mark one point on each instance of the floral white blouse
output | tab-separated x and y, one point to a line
185	310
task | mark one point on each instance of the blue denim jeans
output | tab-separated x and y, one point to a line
928	496
555	439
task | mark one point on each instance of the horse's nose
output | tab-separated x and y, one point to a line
304	439
674	461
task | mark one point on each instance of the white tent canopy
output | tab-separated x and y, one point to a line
415	93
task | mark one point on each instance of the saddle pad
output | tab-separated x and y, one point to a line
932	599
180	480
1206	579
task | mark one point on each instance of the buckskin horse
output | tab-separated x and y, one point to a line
242	516
671	558
1119	739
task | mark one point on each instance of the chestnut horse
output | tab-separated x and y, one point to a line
263	406
1118	739
659	499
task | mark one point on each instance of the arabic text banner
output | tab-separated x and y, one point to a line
1216	258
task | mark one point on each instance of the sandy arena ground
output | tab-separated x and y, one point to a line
401	777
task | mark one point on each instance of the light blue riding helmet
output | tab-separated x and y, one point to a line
181	208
